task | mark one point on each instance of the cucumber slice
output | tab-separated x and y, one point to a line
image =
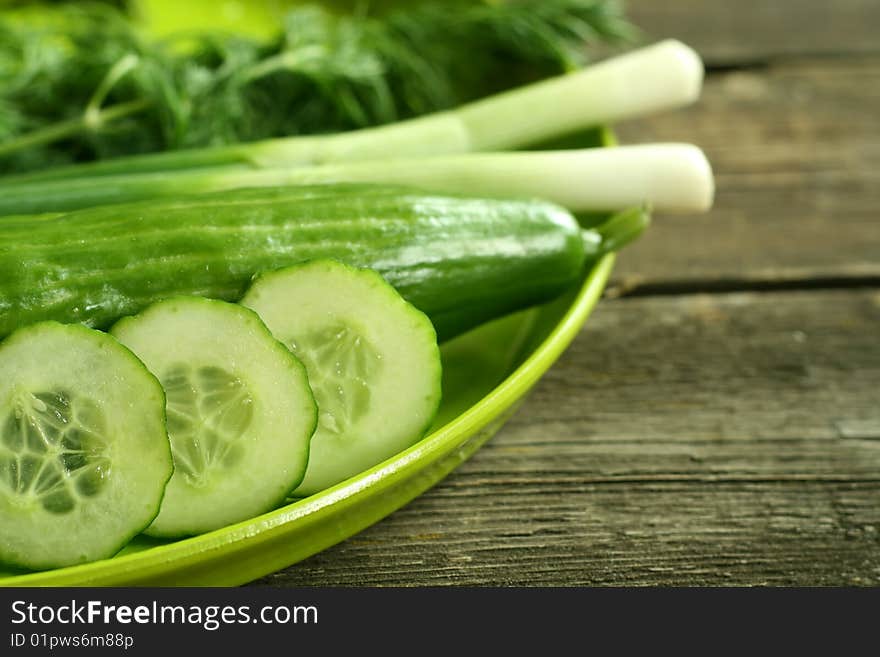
372	359
240	411
84	457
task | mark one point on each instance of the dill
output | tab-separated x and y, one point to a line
82	84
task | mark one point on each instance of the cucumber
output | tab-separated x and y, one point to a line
84	456
240	411
460	260
371	357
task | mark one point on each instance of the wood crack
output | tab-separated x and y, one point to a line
633	287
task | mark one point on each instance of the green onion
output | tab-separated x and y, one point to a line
669	177
659	77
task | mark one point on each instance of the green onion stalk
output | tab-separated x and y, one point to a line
651	79
669	177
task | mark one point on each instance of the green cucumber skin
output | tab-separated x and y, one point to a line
460	260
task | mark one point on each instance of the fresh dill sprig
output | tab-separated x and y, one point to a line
83	84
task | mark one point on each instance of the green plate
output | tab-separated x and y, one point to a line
486	374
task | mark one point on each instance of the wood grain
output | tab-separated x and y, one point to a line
796	152
700	439
747	31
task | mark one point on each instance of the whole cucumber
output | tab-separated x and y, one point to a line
460	260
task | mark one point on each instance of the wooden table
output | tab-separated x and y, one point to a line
717	421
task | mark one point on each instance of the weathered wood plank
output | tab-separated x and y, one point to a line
700	439
796	152
757	30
